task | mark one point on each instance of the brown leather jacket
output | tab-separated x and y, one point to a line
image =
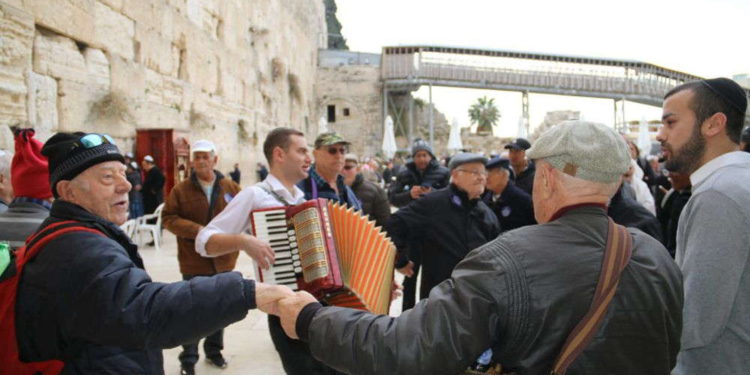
187	211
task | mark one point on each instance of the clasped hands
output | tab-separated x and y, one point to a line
281	301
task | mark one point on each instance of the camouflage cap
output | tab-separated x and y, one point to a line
330	138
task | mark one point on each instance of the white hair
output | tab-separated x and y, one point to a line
579	187
5	160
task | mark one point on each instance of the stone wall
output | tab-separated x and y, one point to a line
219	69
355	94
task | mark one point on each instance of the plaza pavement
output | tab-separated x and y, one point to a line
247	344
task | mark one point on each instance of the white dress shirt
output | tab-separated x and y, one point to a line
235	218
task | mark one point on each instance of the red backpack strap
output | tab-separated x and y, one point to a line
38	240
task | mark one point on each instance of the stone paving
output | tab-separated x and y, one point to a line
247	344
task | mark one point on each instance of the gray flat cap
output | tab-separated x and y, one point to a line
585	150
466	157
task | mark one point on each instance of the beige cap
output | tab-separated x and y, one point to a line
585	150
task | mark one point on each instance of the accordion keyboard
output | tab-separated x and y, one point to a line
271	226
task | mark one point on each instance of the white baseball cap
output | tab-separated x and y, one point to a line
203	146
148	158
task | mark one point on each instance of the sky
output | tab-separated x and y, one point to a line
699	37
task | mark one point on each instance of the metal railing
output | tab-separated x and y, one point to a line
412	66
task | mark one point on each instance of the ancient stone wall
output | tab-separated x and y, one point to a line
227	70
354	94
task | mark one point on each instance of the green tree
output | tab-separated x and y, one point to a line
485	114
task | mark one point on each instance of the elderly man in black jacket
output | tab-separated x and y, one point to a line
523	293
86	299
448	223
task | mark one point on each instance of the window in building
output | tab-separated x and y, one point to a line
346	112
331	113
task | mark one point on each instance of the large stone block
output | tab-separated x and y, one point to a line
153	15
16	40
155	52
117	4
73	18
42	104
58	56
74	103
12	98
113	31
128	78
97	68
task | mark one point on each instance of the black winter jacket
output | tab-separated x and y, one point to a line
373	199
435	176
86	300
629	213
448	225
521	295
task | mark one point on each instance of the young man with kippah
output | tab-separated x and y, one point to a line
87	301
524	292
700	135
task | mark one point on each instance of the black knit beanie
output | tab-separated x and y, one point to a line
68	158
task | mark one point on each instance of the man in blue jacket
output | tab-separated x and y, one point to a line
86	299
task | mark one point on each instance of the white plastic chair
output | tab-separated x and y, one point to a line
129	227
155	229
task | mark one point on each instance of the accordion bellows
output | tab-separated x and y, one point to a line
335	253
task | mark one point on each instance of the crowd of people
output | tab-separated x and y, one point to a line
576	252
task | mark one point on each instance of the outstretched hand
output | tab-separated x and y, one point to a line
267	297
289	309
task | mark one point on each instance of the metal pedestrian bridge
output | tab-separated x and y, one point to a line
406	68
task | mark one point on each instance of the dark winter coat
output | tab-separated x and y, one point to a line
513	208
448	225
629	213
373	199
153	190
86	300
435	176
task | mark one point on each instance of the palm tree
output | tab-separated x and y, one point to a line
485	114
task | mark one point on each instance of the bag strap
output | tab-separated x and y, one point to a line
616	258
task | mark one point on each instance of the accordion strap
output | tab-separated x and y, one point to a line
616	258
267	188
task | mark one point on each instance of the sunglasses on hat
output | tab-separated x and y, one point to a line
93	140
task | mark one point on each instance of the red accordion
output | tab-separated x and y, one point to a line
329	250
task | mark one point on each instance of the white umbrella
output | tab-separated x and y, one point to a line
644	137
389	139
323	125
454	139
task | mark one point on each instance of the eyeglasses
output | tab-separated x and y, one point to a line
335	150
93	140
475	173
349	167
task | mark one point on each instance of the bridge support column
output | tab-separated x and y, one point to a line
432	122
410	135
525	106
620	124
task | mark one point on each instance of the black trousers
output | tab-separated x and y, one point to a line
410	288
295	354
213	344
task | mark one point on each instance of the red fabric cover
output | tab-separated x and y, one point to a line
29	172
